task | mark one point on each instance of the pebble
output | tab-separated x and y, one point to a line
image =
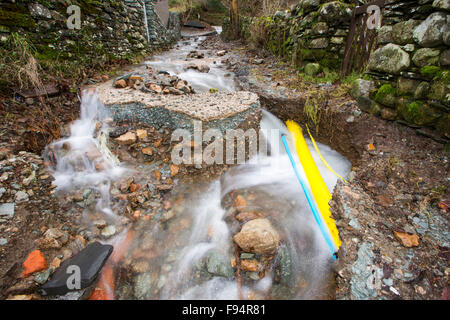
109	231
21	197
7	210
3	241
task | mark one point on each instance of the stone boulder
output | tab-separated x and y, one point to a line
385	35
390	58
442	4
444	59
258	236
312	69
335	12
446	37
426	57
38	11
402	32
219	265
309	5
361	88
430	32
127	138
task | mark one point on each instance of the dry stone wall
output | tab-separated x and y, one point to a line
313	33
407	78
410	67
111	29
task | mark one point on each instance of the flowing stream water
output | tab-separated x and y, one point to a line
191	255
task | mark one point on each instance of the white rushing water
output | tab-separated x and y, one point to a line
83	159
174	61
275	179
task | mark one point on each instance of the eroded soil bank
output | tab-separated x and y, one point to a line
392	215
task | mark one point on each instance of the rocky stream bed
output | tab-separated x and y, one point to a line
223	230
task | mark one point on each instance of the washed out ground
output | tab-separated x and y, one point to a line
392	215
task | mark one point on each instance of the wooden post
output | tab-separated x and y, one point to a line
235	19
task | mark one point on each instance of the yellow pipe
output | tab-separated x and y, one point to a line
318	187
322	158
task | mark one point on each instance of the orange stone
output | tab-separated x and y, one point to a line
135	187
147	151
174	169
407	240
249	265
239	203
35	262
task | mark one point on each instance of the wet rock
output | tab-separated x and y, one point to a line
247	255
284	265
42	277
249	265
143	287
203	68
108	231
219	265
99	224
89	261
127	138
249	215
258	236
7	210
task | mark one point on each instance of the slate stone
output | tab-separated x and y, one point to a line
90	260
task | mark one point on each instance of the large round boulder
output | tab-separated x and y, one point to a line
390	58
430	32
426	57
335	12
402	32
258	236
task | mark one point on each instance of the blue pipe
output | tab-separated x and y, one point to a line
309	197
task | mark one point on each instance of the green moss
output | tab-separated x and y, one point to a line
386	95
419	113
16	19
445	76
430	71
